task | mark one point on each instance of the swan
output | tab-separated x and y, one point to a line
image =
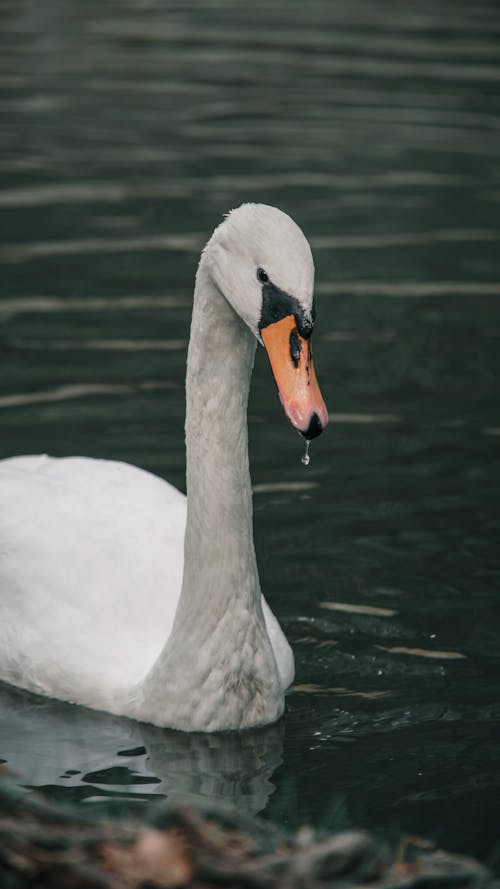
118	594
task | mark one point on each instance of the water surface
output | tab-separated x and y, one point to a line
128	130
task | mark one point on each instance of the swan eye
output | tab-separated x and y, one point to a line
262	276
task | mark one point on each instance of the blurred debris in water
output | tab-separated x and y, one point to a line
45	845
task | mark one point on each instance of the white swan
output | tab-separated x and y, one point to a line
100	604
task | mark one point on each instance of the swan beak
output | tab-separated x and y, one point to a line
291	361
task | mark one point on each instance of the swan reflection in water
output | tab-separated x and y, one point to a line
76	753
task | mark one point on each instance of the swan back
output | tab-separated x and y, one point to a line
87	548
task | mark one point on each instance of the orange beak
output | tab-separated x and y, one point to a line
291	362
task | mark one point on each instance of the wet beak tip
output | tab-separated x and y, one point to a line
314	429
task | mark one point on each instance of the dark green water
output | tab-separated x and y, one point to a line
128	128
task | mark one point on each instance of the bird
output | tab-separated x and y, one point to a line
120	593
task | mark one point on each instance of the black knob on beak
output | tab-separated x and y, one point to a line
314	429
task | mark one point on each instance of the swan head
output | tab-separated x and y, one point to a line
261	261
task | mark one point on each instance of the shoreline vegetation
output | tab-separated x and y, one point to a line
49	846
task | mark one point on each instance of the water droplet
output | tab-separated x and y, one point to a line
305	459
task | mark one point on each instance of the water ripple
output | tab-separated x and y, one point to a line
83	246
194	241
77	390
410	288
103	345
42	304
337	417
116	192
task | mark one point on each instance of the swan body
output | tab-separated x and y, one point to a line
119	593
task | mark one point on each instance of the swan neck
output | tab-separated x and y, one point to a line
217	669
219	531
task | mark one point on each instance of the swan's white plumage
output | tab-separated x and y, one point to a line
87	547
111	614
92	552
